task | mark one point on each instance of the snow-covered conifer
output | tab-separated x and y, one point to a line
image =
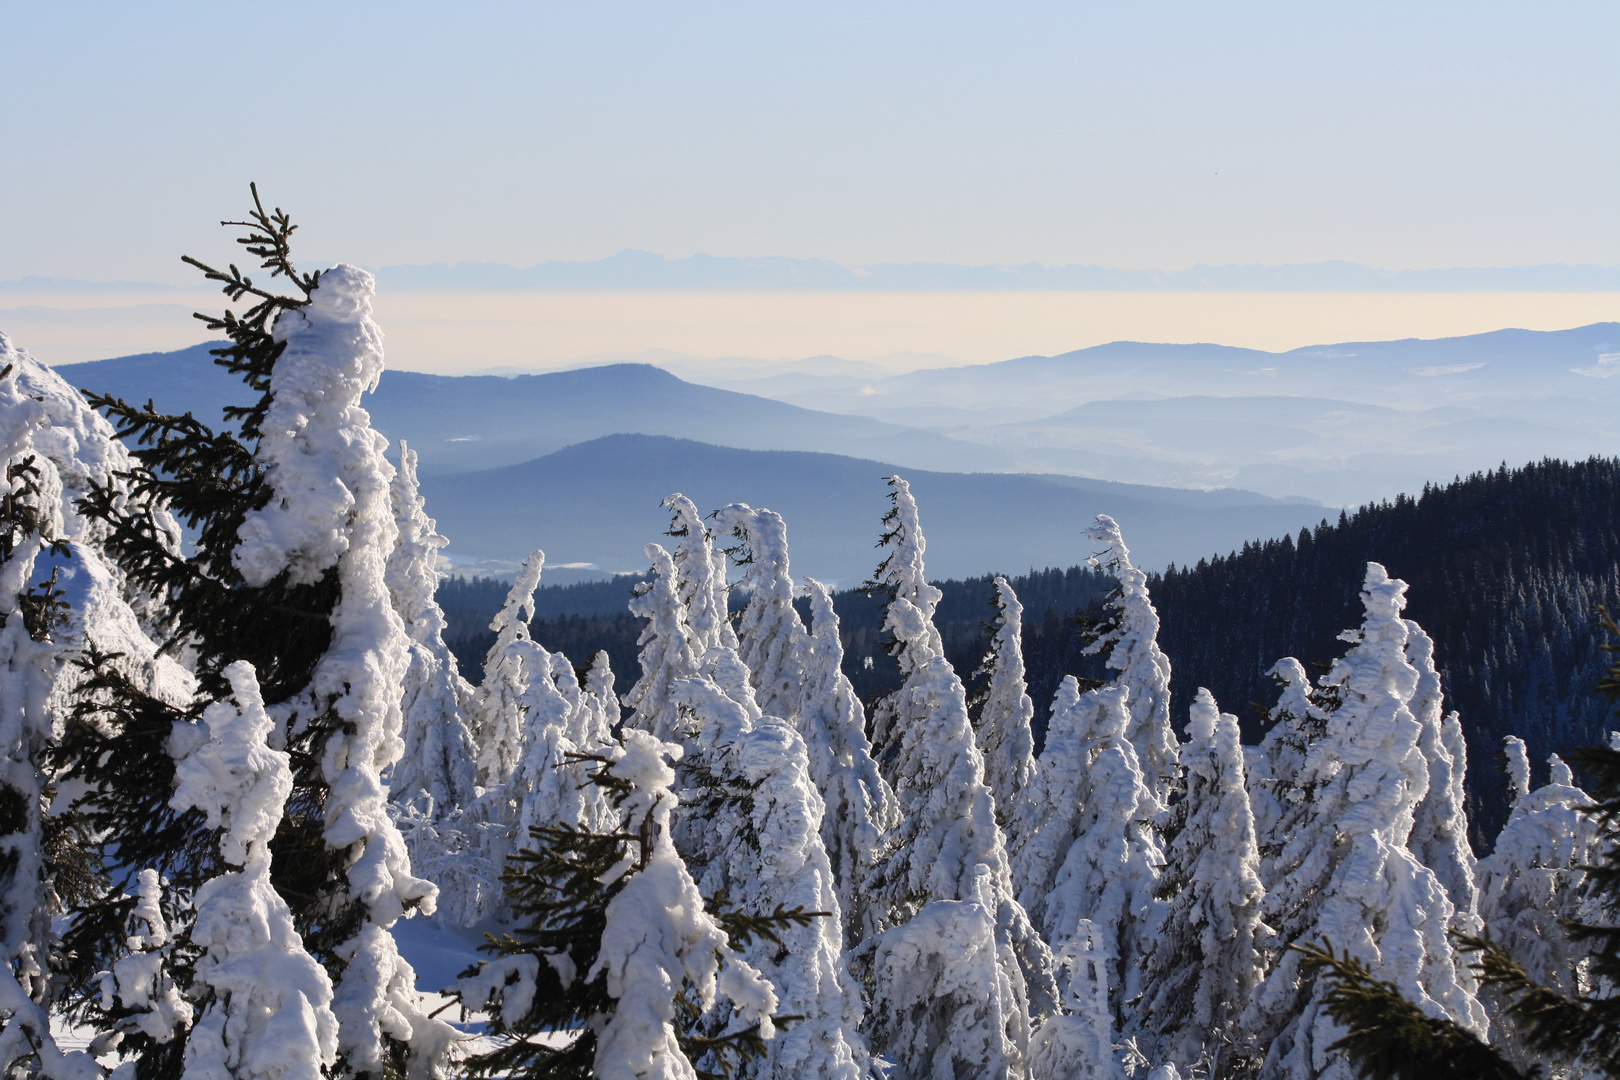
325	462
1202	966
1280	801
269	1011
700	577
948	849
1089	855
861	807
772	639
1129	639
290	504
1518	768
1345	875
600	713
1440	821
1005	736
764	854
439	759
667	650
1535	877
614	941
34	649
512	662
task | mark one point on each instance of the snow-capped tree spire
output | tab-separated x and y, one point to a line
440	759
1200	969
512	662
700	577
1535	877
1005	736
1345	875
1088	857
1129	640
861	809
667	652
1440	822
948	871
772	638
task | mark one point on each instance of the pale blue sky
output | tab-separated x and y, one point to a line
1132	135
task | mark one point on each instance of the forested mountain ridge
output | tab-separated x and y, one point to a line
1507	571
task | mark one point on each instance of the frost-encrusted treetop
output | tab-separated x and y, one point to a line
901	574
319	448
1536	875
861	807
440	757
1279	801
512	662
74	438
1440	821
667	649
1345	873
413	576
1004	724
700	578
1204	964
772	638
1132	645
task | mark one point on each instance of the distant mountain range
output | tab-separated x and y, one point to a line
599	502
1345	423
465	422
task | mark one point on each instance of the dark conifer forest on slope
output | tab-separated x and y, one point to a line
1507	572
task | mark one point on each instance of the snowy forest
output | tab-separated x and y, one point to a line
240	757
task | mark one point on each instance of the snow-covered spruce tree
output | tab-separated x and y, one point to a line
1202	966
700	577
1534	880
772	639
798	675
290	507
613	942
667	650
1089	857
1345	876
760	817
1128	639
955	979
1440	822
439	760
550	785
268	1004
1006	711
509	666
1279	791
861	809
44	858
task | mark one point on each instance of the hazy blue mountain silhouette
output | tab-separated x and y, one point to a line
458	423
599	502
